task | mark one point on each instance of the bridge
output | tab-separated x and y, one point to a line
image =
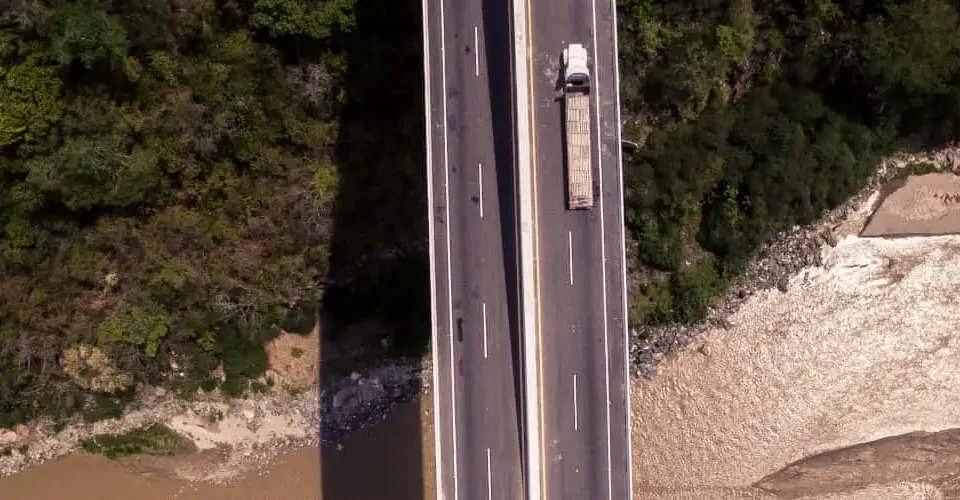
531	388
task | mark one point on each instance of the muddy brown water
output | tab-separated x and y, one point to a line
920	205
383	461
864	348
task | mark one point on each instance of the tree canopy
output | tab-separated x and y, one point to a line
168	175
756	116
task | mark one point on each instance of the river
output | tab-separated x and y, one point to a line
382	461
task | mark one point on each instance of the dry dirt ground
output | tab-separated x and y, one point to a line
861	349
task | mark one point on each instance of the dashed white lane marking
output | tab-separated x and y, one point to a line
489	478
476	51
485	353
576	411
480	180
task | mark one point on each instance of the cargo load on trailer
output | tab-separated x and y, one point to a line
576	111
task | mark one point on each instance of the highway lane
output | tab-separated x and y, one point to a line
473	262
580	272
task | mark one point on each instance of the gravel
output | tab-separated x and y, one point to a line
785	255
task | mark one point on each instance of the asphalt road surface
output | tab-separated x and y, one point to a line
580	270
473	254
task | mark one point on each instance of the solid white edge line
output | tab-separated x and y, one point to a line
485	353
446	207
476	51
603	253
576	414
431	230
480	180
623	253
570	255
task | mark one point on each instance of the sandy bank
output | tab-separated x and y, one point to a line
819	373
860	349
234	435
391	452
924	205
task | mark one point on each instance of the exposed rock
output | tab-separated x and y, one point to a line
344	395
357	400
252	429
8	437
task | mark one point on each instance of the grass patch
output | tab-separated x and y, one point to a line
922	168
156	439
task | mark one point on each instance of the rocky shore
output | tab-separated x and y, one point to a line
785	255
244	432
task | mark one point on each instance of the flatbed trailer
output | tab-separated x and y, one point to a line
576	110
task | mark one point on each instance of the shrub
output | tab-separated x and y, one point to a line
107	406
139	325
156	439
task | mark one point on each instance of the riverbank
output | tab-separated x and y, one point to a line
234	435
390	451
783	257
831	340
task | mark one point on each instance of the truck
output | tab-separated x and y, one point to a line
576	111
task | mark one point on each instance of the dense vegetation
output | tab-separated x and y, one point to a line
756	116
179	179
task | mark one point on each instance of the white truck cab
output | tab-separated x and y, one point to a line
575	70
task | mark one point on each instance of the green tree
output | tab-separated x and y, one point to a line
30	89
316	19
141	325
98	164
87	172
86	32
914	47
